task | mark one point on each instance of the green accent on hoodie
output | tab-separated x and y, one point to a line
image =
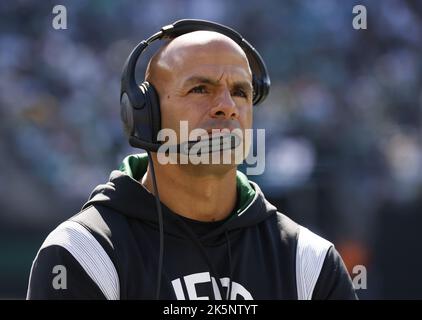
136	165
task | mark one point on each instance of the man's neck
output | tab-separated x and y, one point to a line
202	197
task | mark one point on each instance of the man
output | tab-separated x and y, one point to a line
222	239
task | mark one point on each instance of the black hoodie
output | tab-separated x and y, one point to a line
110	250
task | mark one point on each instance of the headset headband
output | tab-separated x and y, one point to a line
260	78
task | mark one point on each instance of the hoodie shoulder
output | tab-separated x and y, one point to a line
288	228
100	221
287	231
334	282
78	255
110	229
318	268
115	232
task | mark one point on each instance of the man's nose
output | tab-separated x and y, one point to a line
225	107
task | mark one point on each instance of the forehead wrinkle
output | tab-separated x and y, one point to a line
196	79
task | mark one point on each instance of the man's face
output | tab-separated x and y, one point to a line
204	79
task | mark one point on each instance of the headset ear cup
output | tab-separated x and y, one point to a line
154	110
126	114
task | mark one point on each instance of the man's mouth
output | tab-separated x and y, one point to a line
219	131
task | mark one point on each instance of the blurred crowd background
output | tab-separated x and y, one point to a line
343	121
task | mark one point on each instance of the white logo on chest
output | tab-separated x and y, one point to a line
190	281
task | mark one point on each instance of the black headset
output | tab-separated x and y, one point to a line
140	105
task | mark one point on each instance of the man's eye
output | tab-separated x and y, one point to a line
240	93
198	89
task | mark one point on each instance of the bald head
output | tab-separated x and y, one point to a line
194	48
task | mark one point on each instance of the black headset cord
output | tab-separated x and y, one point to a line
161	227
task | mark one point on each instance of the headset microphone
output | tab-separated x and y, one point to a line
214	143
